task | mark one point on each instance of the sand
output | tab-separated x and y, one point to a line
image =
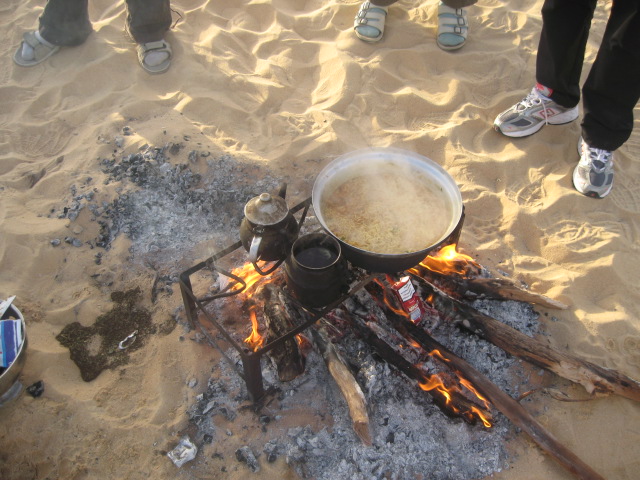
280	89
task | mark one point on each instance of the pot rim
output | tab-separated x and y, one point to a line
393	155
297	247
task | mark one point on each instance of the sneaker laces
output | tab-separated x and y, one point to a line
596	158
534	97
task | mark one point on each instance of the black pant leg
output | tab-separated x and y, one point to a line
65	22
148	20
563	40
612	88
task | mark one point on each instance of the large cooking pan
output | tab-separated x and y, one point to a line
348	165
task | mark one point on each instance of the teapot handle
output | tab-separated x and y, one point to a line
253	249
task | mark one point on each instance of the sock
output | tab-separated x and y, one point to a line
28	53
544	91
155	58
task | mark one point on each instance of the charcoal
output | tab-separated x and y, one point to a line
245	455
36	389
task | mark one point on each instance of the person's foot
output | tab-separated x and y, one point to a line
155	57
369	22
593	176
33	50
453	27
532	113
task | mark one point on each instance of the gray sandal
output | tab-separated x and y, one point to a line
160	46
41	50
369	22
453	27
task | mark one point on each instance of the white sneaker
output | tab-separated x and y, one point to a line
593	176
532	113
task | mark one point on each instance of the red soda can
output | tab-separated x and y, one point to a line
411	303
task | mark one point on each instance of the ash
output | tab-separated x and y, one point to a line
412	437
166	208
168	202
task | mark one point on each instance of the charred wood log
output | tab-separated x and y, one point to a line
463	406
289	361
346	382
503	402
595	379
473	286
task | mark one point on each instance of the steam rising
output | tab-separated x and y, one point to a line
391	208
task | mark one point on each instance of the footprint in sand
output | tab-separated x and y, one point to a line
626	195
5	73
526	194
631	349
47	140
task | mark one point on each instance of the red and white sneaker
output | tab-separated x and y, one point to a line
532	113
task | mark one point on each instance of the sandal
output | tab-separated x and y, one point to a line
147	51
369	22
452	27
33	50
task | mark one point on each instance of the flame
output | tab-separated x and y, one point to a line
390	299
472	389
304	345
435	383
467	384
448	260
436	353
482	418
249	275
255	340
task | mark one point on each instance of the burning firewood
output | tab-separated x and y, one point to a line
346	383
287	357
461	277
595	379
444	387
503	402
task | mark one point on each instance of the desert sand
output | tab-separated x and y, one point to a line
279	89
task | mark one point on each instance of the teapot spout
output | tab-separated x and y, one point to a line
282	190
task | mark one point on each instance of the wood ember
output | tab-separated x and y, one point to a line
408	351
507	405
595	379
346	382
409	433
394	351
473	281
287	357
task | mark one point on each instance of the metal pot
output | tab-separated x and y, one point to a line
348	166
316	272
10	387
268	229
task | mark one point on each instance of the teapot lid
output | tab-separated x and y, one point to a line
266	209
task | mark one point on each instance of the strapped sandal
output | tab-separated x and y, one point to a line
452	27
369	22
144	49
41	50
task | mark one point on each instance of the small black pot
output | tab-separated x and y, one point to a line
316	272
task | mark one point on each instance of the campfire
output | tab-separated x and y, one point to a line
393	314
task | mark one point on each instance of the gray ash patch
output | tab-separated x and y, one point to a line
169	208
412	437
487	358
